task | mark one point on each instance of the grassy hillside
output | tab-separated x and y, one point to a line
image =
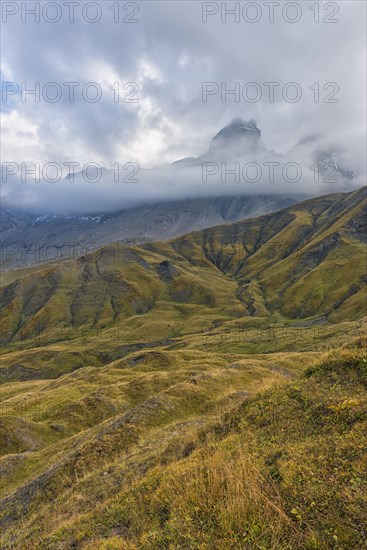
308	260
244	456
206	392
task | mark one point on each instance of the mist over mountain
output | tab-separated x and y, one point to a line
237	163
28	239
236	178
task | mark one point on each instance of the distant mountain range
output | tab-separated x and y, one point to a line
29	239
242	139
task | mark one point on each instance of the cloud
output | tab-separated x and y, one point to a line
169	54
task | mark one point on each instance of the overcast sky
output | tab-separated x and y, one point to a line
168	53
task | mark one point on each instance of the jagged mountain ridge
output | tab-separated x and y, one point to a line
241	139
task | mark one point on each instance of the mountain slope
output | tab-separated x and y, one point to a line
159	452
161	396
31	240
308	260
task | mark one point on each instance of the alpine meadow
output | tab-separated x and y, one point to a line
183	269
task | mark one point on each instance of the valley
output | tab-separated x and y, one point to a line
206	391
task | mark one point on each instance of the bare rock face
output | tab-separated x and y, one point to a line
333	167
239	135
167	271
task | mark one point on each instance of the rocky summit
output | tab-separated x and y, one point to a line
239	134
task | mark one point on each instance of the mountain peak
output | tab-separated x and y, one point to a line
239	122
239	132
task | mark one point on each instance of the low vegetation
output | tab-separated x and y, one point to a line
189	398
